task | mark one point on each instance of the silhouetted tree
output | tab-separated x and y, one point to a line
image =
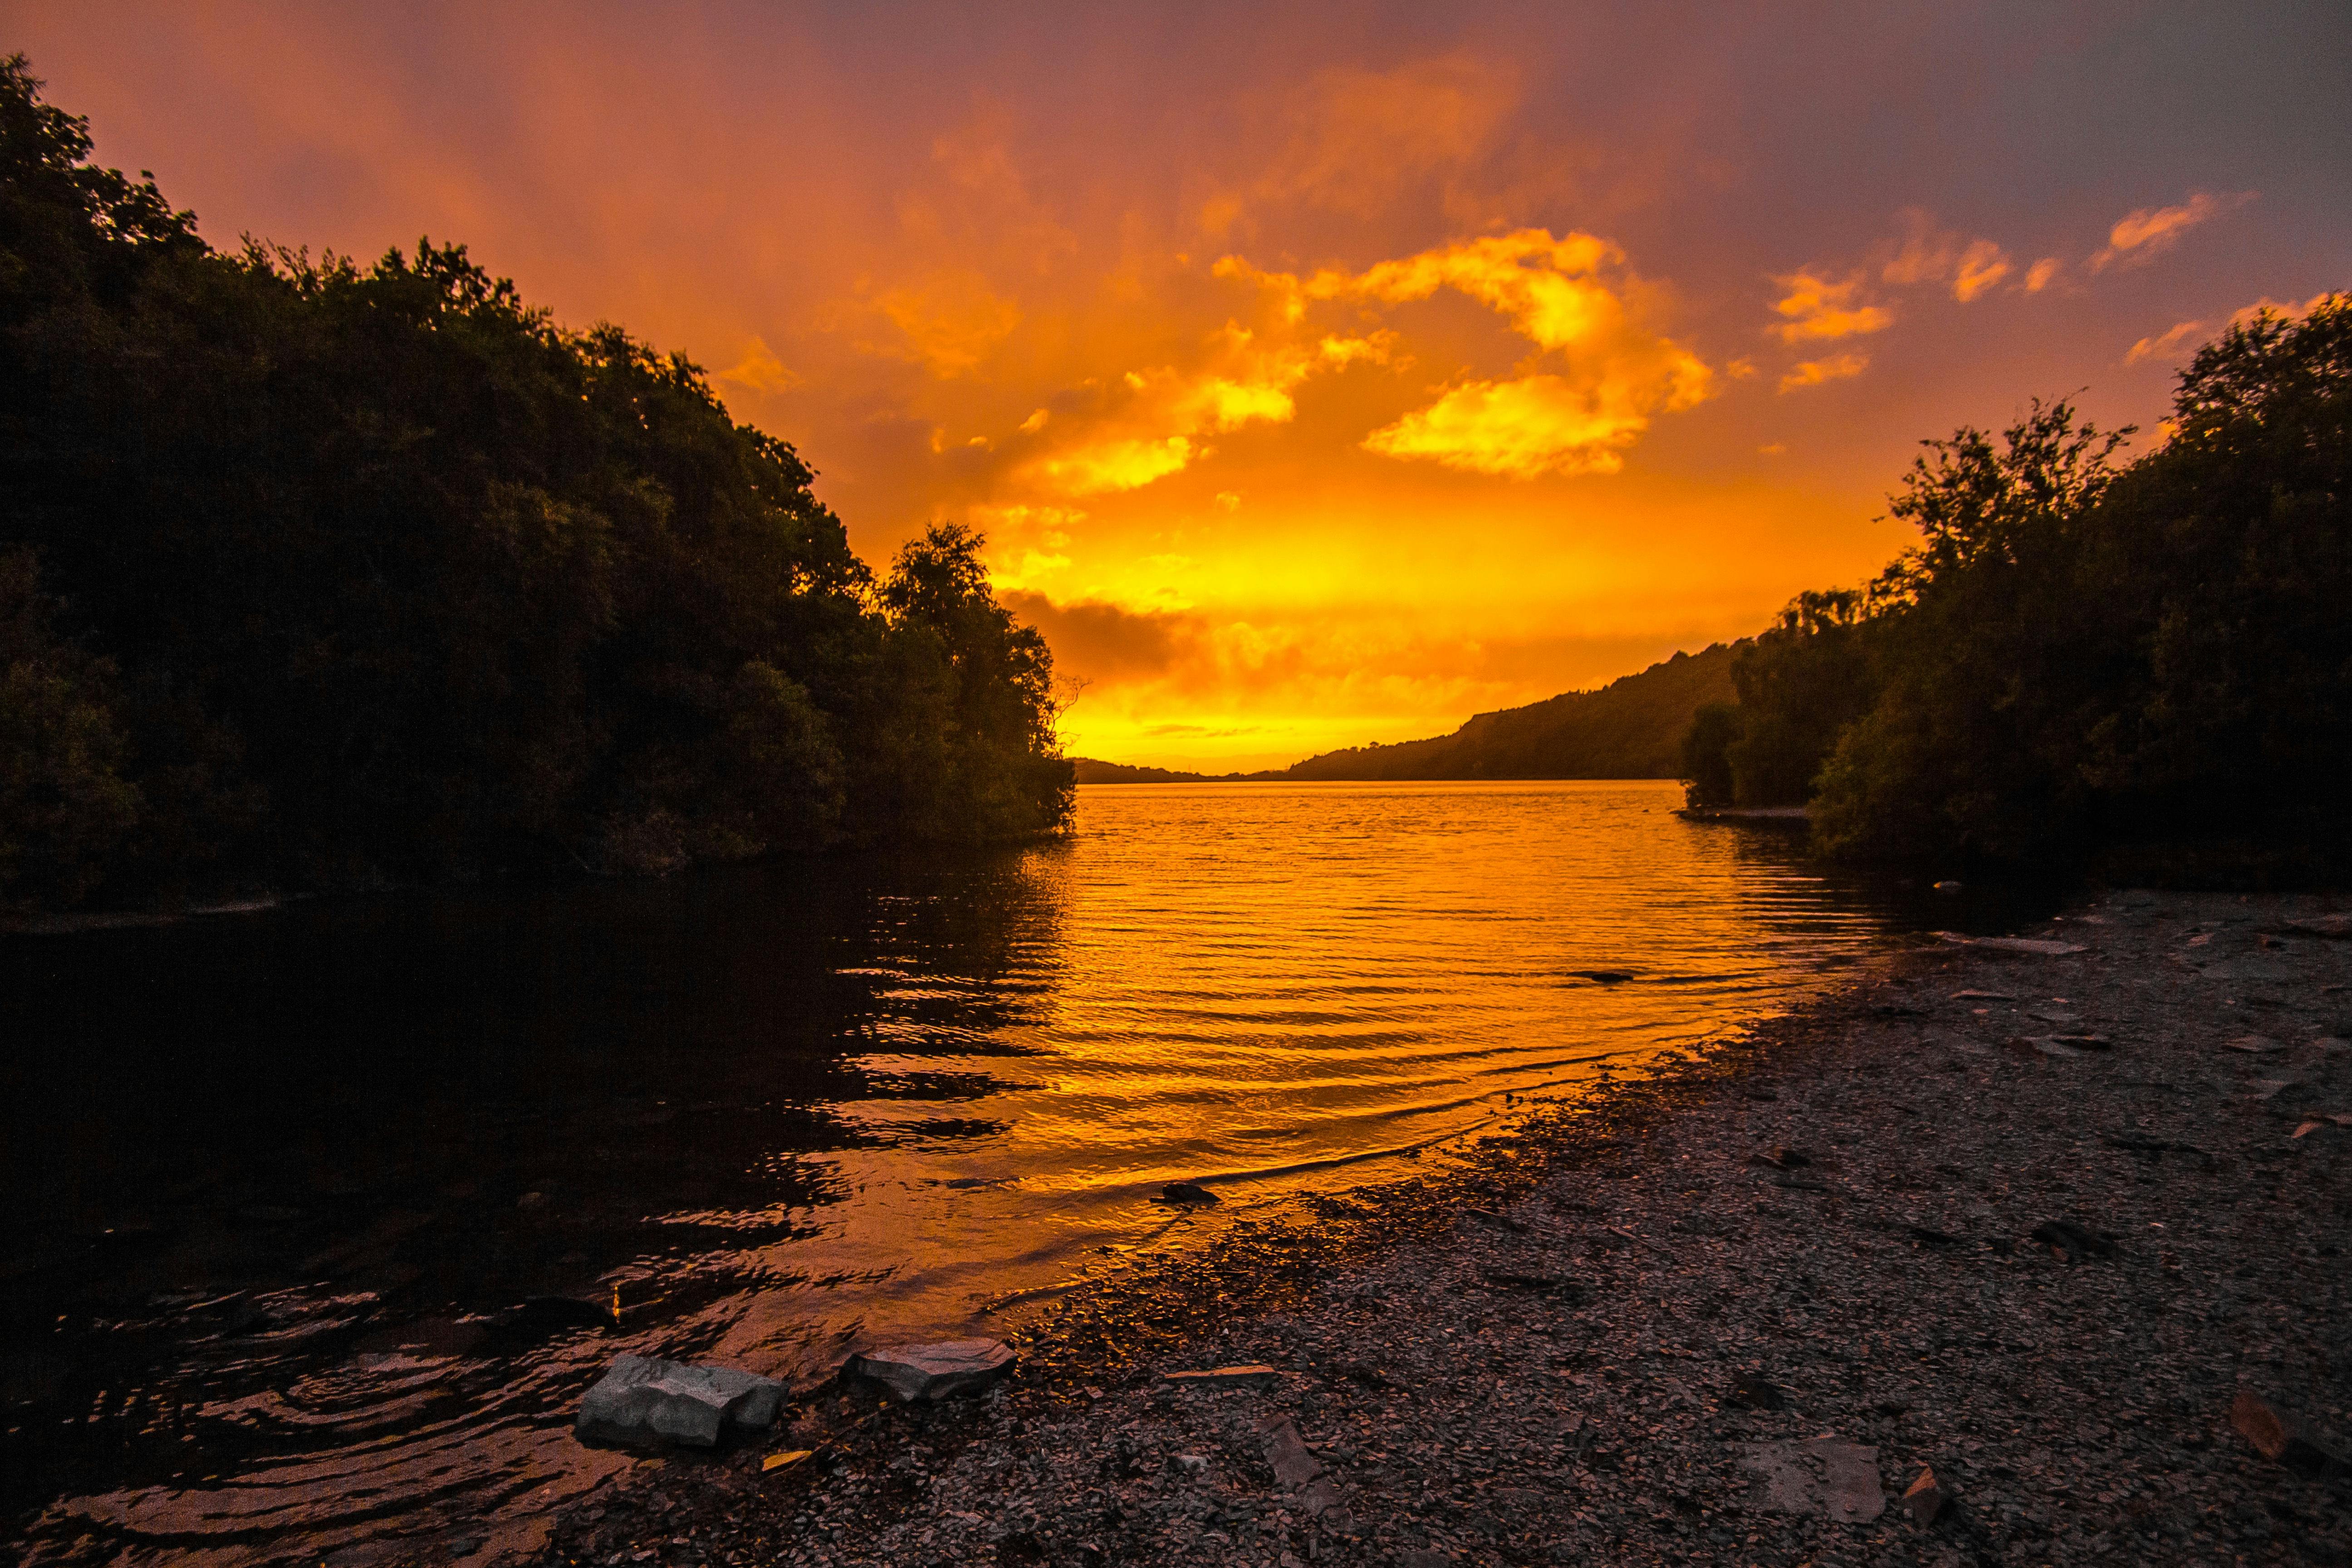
2081	657
386	575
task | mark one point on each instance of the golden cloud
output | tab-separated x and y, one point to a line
1567	295
1157	418
1930	255
1979	267
1818	308
1520	429
759	370
2040	276
1116	464
1812	372
2149	231
2147	348
1547	287
2246	315
951	323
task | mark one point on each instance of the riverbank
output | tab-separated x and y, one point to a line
1589	1338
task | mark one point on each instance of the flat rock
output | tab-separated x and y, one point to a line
2339	927
1223	1377
2253	1044
2042	946
2055	1047
1294	1467
644	1401
1825	1477
1190	1194
937	1370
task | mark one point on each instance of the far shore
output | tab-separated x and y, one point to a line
2035	1221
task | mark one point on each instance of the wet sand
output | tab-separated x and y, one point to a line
1596	1337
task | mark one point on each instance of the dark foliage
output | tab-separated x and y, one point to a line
2080	658
354	573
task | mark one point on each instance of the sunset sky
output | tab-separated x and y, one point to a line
1318	374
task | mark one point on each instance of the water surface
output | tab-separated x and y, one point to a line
275	1176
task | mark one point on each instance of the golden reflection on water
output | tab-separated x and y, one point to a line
1275	988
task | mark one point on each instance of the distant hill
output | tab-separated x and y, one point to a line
1630	728
1093	772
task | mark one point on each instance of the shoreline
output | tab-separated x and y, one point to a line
1577	1342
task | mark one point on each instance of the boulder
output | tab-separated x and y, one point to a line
932	1371
1189	1194
646	1402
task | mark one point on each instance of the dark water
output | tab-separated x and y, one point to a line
273	1177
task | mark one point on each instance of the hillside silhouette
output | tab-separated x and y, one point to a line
1630	728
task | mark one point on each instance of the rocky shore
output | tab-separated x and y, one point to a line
2058	1224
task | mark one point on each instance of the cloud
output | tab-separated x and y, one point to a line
1570	296
2245	314
1150	423
1980	266
1116	464
1930	255
950	323
1100	641
1026	542
1817	307
1519	429
1812	372
1354	140
2148	232
2148	348
2039	276
759	370
2174	337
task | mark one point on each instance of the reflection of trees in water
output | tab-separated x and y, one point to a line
970	950
617	1050
459	1100
1898	900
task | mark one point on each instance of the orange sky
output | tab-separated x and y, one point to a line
1324	377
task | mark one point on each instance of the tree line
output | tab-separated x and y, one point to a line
2145	663
319	574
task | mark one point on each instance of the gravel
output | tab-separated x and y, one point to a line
1893	1219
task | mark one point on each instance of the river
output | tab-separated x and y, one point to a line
274	1177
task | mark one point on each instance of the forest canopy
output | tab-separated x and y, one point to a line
2148	662
322	574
